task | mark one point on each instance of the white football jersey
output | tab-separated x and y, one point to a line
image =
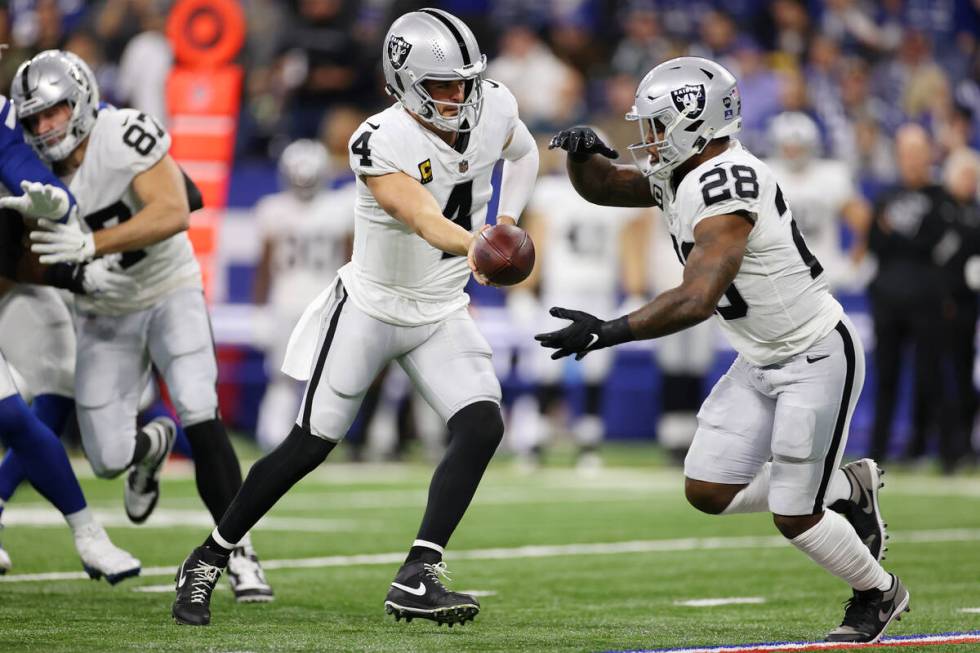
394	275
309	242
123	144
817	194
780	303
582	252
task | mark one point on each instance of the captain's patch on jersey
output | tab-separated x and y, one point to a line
425	169
689	100
398	49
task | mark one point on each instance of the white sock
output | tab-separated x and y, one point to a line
754	497
216	536
246	542
158	440
834	545
838	488
78	519
429	545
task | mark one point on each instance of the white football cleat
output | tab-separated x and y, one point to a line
5	563
142	489
247	578
100	557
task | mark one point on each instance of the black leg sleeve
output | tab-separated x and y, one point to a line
474	434
270	478
216	467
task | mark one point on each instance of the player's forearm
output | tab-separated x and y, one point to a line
671	311
443	234
154	223
517	184
602	182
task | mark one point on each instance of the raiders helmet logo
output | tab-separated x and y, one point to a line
398	49
689	100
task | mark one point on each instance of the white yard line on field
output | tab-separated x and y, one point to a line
44	516
711	603
538	551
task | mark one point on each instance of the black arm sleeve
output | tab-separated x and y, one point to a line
11	237
194	198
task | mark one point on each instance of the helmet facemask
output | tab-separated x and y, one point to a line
468	111
670	152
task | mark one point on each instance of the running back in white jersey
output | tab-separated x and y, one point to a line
123	144
817	194
779	303
583	240
309	243
394	275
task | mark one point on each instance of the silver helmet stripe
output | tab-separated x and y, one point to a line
452	30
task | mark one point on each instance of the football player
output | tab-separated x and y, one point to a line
423	171
305	231
821	192
32	447
790	394
132	202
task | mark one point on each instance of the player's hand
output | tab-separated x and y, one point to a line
62	243
586	333
471	259
39	201
581	143
102	278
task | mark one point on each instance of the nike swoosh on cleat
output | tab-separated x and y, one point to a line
865	504
595	337
373	126
419	591
180	583
814	359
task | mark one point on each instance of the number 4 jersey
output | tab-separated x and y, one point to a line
123	144
780	303
394	275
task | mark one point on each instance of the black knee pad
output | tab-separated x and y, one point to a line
478	423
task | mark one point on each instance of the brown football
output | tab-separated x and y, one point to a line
504	254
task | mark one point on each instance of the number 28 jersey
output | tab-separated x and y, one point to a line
123	144
780	303
394	275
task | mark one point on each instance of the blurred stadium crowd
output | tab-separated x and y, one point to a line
884	95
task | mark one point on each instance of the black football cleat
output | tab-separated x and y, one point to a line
868	613
196	578
861	509
417	592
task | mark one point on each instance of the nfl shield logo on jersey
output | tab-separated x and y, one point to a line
689	100
398	49
464	165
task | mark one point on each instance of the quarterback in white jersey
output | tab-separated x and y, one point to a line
771	434
821	193
305	231
132	201
423	171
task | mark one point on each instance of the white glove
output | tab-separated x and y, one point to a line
62	243
39	201
101	278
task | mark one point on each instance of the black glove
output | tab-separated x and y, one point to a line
70	276
581	143
586	333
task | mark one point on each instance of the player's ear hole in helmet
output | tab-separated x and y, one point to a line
44	82
422	52
681	106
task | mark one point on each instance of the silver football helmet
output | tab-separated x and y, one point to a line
303	167
47	79
689	100
433	44
794	138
